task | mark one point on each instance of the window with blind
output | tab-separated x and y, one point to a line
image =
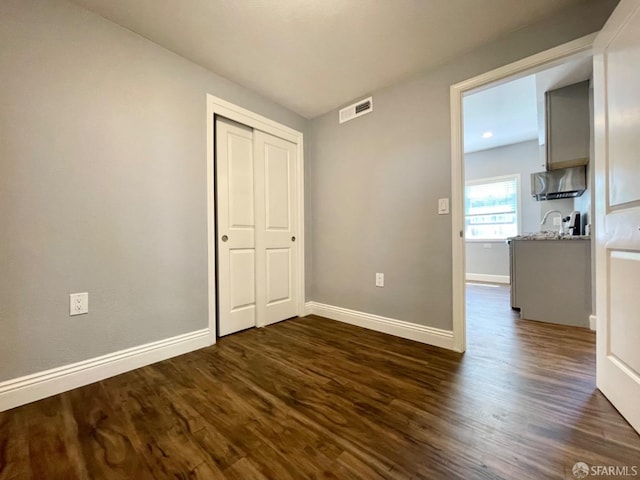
491	208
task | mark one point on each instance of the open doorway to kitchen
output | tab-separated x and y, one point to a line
517	268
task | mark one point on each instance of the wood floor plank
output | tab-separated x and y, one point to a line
318	399
48	441
102	434
162	435
14	447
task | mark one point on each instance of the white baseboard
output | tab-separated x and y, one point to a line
30	388
399	328
307	309
482	277
593	321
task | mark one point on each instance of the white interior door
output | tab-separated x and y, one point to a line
276	223
257	201
235	199
617	178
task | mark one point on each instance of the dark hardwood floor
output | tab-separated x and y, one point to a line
314	398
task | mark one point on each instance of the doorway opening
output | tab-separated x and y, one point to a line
498	141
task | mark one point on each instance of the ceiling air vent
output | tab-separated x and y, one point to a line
356	110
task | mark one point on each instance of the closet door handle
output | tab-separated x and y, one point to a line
293	239
224	238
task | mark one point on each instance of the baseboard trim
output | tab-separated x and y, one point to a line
30	388
307	309
482	277
399	328
593	322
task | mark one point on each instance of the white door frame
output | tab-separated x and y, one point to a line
554	56
218	106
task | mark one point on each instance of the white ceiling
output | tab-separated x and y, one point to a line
514	111
509	111
315	55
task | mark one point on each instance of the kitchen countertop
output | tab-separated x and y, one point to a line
548	236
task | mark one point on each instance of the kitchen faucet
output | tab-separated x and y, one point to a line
546	215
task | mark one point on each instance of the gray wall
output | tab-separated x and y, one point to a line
376	181
521	158
525	158
102	185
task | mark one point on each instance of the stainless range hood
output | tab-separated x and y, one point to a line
561	183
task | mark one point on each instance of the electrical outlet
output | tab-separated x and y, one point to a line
486	245
557	221
379	279
78	303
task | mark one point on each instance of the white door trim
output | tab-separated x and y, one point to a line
526	66
218	106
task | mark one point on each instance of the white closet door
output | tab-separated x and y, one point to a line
236	227
617	179
276	227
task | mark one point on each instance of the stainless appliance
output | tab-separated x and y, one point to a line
562	183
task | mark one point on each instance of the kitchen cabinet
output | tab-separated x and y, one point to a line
567	126
551	280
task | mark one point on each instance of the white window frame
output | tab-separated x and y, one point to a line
497	179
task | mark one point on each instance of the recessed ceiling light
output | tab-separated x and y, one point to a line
487	135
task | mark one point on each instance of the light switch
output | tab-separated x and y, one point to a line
443	206
78	303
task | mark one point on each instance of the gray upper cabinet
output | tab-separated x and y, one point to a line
567	118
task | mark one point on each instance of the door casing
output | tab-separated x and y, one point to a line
572	50
218	106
